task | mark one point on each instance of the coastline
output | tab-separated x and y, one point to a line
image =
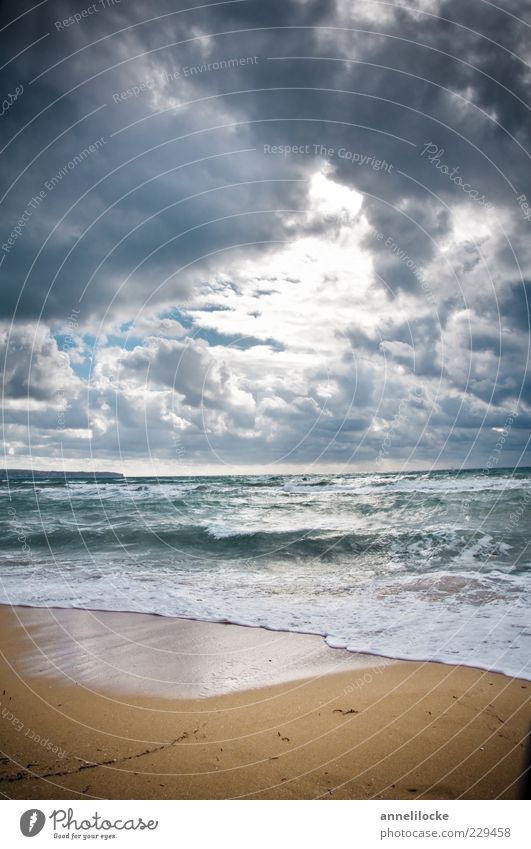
103	705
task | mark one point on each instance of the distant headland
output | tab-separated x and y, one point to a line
6	474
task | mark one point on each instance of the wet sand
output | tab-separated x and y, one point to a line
117	705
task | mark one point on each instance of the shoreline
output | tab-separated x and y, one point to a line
353	729
194	657
365	653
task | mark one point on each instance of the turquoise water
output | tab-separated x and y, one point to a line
421	565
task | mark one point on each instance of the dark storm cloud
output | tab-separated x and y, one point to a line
158	168
390	104
517	306
403	237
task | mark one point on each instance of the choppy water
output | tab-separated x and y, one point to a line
422	565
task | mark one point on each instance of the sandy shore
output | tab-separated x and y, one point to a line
104	705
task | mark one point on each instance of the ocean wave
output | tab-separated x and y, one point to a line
410	485
417	565
410	548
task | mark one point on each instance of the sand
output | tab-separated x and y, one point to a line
108	705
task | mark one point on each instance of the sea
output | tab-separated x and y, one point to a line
423	566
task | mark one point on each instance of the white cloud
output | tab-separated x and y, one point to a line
32	367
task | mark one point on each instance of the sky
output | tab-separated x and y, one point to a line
276	237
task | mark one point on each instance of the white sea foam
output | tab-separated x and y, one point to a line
390	565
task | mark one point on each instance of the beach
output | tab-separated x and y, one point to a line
126	705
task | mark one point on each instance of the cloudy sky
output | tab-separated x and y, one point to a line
275	236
